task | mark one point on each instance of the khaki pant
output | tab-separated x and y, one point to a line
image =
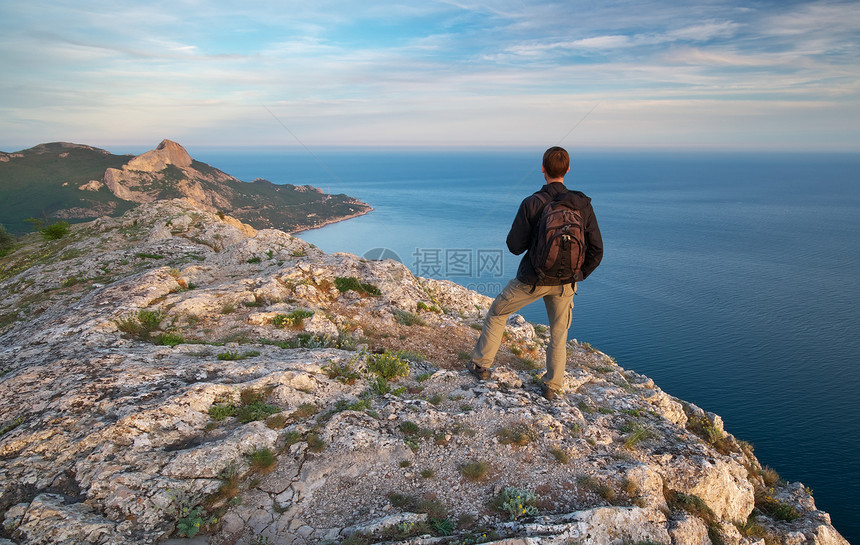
559	306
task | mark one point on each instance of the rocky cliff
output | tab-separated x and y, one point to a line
171	373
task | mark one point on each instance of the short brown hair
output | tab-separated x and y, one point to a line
556	162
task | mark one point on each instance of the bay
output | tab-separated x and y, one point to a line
731	279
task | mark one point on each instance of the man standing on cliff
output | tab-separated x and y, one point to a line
556	285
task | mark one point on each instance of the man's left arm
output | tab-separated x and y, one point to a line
593	245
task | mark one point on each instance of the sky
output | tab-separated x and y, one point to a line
704	74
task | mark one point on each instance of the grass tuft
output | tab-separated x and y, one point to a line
263	460
474	471
518	434
404	317
345	284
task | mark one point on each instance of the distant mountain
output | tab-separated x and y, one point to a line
76	183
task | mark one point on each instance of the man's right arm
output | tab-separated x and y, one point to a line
593	244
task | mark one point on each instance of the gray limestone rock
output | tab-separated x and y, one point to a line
148	389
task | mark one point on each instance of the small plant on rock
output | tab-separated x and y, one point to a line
387	365
315	443
263	460
474	471
170	339
560	455
256	411
220	411
345	284
295	318
518	434
229	355
191	519
636	433
341	372
140	324
772	507
407	318
517	503
602	489
710	433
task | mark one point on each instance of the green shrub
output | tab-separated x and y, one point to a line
409	427
170	339
55	231
431	308
150	319
387	365
256	411
690	503
229	355
706	430
305	410
277	421
7	242
140	324
220	411
344	284
603	490
293	319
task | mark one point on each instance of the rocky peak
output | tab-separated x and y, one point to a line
172	371
168	152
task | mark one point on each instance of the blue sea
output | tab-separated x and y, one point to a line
731	279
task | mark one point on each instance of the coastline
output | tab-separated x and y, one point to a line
331	221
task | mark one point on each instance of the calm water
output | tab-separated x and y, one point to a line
732	280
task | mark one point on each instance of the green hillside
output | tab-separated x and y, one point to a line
45	179
44	182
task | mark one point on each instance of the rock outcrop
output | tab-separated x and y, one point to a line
174	373
168	152
143	179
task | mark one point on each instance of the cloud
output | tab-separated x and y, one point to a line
404	72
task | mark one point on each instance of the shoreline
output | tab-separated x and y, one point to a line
331	221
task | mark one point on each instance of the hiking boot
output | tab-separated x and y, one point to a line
481	373
548	393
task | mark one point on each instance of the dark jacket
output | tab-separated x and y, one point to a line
524	227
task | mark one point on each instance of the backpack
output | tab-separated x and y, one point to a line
558	247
